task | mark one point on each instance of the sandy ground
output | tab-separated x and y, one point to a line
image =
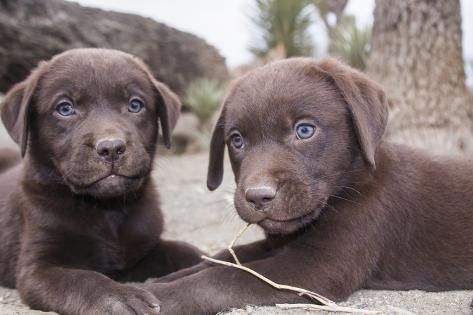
207	219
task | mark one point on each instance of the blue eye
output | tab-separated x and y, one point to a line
65	108
237	141
304	131
135	106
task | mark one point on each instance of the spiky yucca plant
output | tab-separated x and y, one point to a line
350	43
283	29
203	97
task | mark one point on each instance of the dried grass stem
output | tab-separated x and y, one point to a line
327	304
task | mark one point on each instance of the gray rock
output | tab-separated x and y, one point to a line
32	30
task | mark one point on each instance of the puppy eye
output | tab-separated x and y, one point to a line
304	131
65	108
135	106
237	141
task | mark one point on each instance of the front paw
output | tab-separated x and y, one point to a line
174	299
127	300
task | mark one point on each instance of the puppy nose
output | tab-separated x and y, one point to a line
260	196
110	149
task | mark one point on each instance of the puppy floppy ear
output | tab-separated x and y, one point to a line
367	104
217	151
16	106
169	109
167	102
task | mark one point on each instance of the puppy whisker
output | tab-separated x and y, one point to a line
350	188
338	197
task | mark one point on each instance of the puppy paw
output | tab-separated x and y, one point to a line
173	299
128	300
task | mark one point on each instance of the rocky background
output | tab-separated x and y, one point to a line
32	30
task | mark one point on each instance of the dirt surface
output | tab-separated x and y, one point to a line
208	220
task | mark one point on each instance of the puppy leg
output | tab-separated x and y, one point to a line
245	253
335	275
165	258
74	291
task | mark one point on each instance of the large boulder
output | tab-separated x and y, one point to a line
32	30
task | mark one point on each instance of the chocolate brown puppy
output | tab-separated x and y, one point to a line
342	208
81	209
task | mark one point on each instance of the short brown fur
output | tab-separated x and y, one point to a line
350	211
75	215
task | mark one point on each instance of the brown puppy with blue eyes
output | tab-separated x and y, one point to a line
81	209
341	208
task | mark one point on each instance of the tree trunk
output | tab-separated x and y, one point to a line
416	54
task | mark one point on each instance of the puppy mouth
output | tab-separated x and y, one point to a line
275	226
109	186
108	178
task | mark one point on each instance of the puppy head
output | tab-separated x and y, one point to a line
295	131
89	119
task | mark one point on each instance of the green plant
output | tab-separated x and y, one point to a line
350	43
283	29
203	97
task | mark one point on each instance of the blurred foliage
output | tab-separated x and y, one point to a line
350	43
346	40
283	29
331	12
203	97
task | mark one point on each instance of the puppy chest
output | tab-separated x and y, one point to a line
105	251
87	251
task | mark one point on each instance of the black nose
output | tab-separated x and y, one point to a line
111	150
260	196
